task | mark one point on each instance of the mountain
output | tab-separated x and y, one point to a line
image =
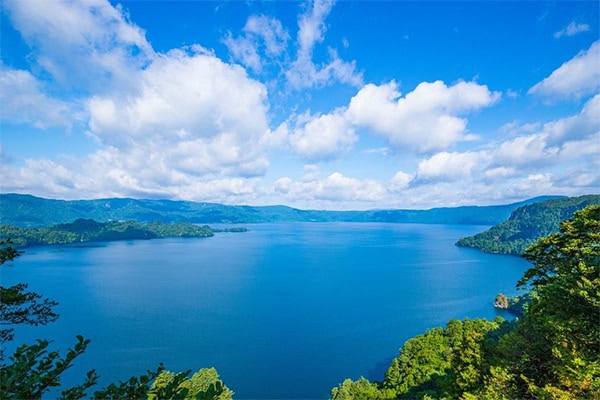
29	211
526	224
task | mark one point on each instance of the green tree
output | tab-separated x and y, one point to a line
203	385
361	389
562	325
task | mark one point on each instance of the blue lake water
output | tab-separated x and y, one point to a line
284	311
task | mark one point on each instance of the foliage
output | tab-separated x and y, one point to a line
359	390
203	385
563	318
87	230
550	352
34	370
18	306
526	224
132	388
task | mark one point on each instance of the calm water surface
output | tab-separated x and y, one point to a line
282	311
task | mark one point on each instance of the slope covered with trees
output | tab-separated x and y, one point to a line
526	224
551	352
88	230
29	212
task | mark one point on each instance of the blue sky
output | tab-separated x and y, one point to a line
325	105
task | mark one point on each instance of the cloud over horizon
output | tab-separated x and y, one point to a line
272	114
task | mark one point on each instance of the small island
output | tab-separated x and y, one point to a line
89	230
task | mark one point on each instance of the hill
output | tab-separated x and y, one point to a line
29	211
88	230
526	224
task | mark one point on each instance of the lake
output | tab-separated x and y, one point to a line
284	311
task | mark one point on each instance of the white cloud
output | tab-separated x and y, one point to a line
271	31
572	29
578	126
425	119
244	51
336	188
449	166
322	136
194	112
526	150
499	172
399	182
260	34
24	102
536	184
515	128
88	44
577	77
562	140
303	73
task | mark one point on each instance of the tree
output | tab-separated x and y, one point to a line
562	325
360	389
203	385
18	306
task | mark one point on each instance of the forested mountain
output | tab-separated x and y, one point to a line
88	230
30	211
526	224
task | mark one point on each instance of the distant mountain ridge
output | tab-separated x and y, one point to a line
29	211
526	224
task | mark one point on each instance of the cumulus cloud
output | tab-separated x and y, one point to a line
449	166
184	124
577	77
198	114
303	73
425	119
322	136
336	188
399	182
578	126
87	44
24	101
561	140
572	29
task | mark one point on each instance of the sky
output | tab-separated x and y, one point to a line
315	105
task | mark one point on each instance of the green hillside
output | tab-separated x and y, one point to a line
526	224
29	211
88	230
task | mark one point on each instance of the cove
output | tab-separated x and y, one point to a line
284	311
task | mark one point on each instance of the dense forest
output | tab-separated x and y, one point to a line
526	224
551	352
88	230
32	212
